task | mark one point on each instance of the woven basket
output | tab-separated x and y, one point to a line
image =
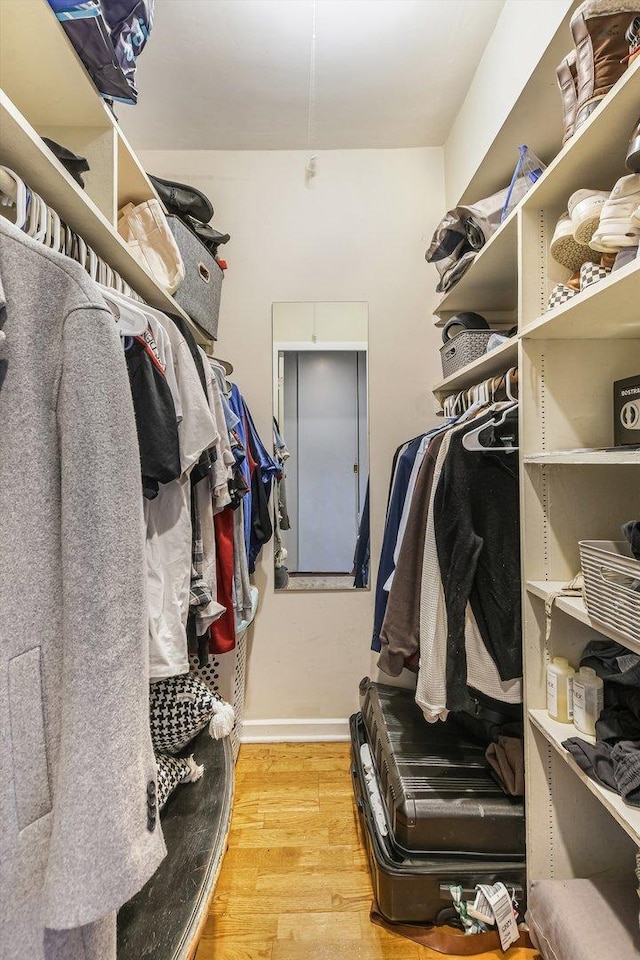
463	349
611	576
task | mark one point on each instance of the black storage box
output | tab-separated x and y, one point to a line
414	887
199	293
626	406
435	782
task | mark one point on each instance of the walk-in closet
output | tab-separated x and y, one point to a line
319	479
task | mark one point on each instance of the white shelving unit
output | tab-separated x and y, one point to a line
573	486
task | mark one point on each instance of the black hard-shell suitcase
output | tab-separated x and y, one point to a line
415	887
435	782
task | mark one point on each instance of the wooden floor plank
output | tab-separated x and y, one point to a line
295	881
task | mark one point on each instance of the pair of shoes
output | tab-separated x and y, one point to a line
570	244
619	225
605	43
598	222
588	274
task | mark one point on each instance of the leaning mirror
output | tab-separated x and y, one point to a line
320	400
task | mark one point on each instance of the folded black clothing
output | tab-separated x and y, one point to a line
625	757
620	721
74	164
594	759
631	531
616	767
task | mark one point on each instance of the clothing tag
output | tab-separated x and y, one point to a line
502	908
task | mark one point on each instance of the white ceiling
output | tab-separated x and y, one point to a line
234	74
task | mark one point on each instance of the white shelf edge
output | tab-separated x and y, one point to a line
489	364
601	289
554	732
575	607
619	457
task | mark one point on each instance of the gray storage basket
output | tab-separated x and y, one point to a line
199	292
610	575
463	349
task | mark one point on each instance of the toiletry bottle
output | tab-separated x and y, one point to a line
588	700
559	690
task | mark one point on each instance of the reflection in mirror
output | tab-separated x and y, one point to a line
321	502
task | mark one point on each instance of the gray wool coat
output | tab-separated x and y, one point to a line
76	760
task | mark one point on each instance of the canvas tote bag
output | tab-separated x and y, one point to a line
145	230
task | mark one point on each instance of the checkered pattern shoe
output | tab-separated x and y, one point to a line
560	294
592	273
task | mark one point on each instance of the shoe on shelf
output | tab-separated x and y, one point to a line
599	28
633	153
565	249
567	74
617	228
591	273
584	209
560	294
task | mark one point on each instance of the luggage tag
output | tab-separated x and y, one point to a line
498	899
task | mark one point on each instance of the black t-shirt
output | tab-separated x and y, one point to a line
156	421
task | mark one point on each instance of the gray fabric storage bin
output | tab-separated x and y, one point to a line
463	349
199	292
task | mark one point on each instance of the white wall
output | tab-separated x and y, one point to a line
359	232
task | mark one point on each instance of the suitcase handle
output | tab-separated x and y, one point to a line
468	893
204	272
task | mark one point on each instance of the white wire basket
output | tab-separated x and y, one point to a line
226	674
612	586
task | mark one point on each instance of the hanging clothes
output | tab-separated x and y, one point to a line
400	473
76	759
477	528
430	621
168	517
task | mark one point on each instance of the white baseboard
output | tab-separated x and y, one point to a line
294	731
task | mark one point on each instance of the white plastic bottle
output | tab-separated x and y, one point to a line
560	690
588	700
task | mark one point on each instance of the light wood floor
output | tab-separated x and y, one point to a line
294	883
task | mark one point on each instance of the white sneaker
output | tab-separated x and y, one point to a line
565	249
585	207
618	228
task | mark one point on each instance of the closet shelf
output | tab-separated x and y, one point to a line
554	732
594	156
490	285
575	607
620	456
23	150
488	365
607	310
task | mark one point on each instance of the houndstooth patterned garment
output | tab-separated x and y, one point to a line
173	771
179	708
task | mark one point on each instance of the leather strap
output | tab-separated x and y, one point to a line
442	939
